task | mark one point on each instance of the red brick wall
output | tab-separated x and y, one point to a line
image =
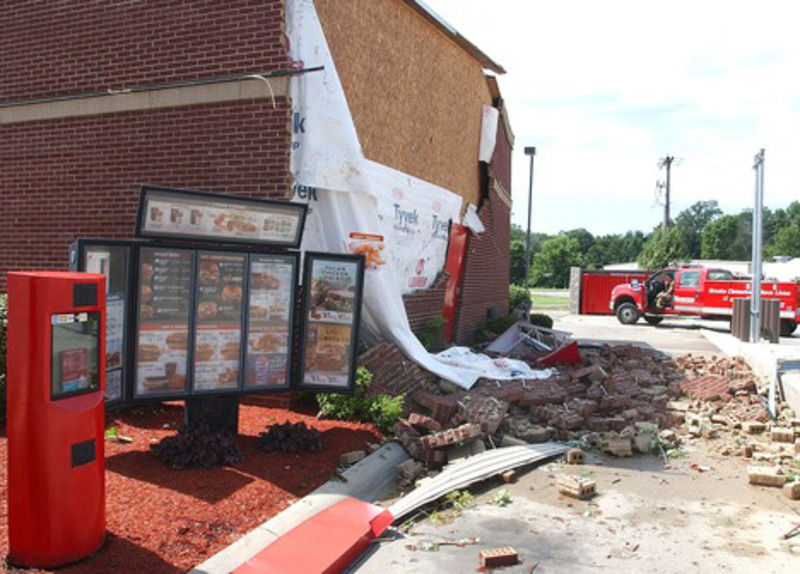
484	285
62	179
500	167
53	47
425	305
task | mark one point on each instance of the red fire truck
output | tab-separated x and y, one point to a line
699	292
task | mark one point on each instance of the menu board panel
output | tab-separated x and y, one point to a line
112	261
194	215
269	320
165	288
218	325
332	293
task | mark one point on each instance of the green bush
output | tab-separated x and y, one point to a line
517	294
431	335
499	325
3	325
382	410
542	320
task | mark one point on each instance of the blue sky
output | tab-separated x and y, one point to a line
604	89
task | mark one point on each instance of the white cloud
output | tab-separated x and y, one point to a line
605	89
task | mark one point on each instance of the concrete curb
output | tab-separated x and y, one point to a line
370	479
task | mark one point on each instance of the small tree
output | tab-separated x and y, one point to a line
664	248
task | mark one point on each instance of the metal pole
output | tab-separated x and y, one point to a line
755	298
531	151
666	202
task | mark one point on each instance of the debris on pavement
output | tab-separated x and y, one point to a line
576	486
498	557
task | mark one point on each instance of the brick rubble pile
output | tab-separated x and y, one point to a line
620	399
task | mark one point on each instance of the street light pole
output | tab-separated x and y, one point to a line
755	297
530	151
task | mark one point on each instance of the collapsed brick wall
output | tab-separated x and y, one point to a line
54	48
67	178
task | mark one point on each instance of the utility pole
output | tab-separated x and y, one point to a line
666	162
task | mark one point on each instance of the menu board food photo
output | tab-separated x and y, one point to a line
219	293
165	288
269	334
332	288
179	213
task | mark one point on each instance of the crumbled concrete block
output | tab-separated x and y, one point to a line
352	457
618	446
408	472
797	446
780	434
498	557
642	442
576	486
766	476
792	490
575	456
753	427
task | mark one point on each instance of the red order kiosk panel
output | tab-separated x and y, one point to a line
56	379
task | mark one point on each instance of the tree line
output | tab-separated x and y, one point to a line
702	231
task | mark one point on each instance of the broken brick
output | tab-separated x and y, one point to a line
766	476
575	456
792	490
779	434
423	423
576	486
450	436
498	557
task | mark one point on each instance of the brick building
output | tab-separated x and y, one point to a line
99	98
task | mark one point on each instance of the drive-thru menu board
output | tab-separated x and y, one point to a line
165	289
189	214
270	319
218	323
112	261
332	293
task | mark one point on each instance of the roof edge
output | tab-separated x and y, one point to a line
421	8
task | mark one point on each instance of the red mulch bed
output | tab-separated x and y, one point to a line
164	521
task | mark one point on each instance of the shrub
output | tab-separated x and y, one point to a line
382	410
517	294
431	335
542	320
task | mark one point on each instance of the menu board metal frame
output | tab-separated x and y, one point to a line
310	258
77	262
198	198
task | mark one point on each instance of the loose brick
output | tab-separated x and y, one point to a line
753	427
766	476
779	434
576	486
424	423
618	446
575	456
792	490
498	557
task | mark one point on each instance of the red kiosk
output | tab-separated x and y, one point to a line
56	378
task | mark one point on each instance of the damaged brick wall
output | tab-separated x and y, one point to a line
425	305
484	286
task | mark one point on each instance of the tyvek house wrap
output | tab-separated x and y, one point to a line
356	205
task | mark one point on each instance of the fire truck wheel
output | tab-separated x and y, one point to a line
653	319
788	327
627	313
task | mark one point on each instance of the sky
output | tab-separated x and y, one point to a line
606	89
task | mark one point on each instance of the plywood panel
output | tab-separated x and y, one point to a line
415	96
